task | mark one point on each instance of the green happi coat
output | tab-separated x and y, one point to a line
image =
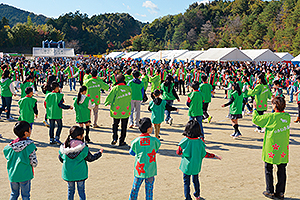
136	90
128	78
119	100
145	80
23	86
94	87
145	148
276	139
83	113
71	73
52	109
193	152
26	106
236	107
196	100
155	82
5	91
86	77
262	93
206	89
167	95
158	111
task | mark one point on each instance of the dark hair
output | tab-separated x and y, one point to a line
129	71
204	78
262	78
82	89
158	71
54	85
156	92
88	71
5	74
279	103
276	82
237	88
144	124
135	74
74	132
168	81
246	79
195	85
192	129
28	90
28	78
120	78
94	73
20	128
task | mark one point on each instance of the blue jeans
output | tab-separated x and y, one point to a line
187	181
52	126
80	189
72	80
15	190
137	182
6	104
199	120
292	91
168	113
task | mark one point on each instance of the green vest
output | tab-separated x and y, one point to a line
193	152
245	94
206	89
86	77
18	163
119	100
196	104
236	106
75	169
83	113
167	95
145	80
158	112
136	90
262	93
26	106
94	87
23	86
128	78
276	140
52	109
5	91
145	148
155	82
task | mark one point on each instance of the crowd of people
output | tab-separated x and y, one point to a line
126	81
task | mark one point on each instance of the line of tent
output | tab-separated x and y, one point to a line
212	54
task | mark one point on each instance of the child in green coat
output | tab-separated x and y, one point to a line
83	106
206	90
192	150
144	148
74	154
21	159
157	106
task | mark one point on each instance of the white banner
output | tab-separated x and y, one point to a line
52	52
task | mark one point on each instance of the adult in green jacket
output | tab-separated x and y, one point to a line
235	110
155	81
262	93
275	146
7	91
119	100
72	72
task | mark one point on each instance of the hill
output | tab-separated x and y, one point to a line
15	15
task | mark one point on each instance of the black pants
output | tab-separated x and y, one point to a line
176	85
205	113
260	113
124	123
181	85
281	177
81	82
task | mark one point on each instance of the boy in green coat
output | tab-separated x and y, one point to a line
275	146
144	148
119	100
21	159
54	103
28	107
155	82
206	90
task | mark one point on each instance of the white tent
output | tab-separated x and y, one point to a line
115	54
223	54
160	55
258	55
140	54
174	54
296	59
284	56
129	54
190	55
147	56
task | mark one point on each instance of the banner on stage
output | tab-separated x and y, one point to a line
52	52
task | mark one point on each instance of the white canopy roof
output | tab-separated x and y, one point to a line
258	55
175	53
115	54
129	54
223	54
284	56
140	54
166	54
147	56
296	59
190	55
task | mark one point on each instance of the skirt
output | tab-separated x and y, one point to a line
237	116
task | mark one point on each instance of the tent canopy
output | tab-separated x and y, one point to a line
189	55
284	56
223	54
147	56
115	54
258	55
166	54
140	54
129	54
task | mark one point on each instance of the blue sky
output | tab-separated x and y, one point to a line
143	10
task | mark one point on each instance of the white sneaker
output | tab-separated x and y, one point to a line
243	113
170	121
10	118
259	131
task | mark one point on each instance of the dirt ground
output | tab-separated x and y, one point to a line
240	175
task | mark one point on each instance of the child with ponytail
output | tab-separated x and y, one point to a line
83	106
73	154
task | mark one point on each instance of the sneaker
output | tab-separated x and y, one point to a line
113	142
167	122
257	130
237	135
131	126
170	121
209	119
96	126
45	123
123	144
1	136
87	139
249	113
52	142
225	97
233	134
1	120
268	195
279	196
57	141
227	116
290	101
10	119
